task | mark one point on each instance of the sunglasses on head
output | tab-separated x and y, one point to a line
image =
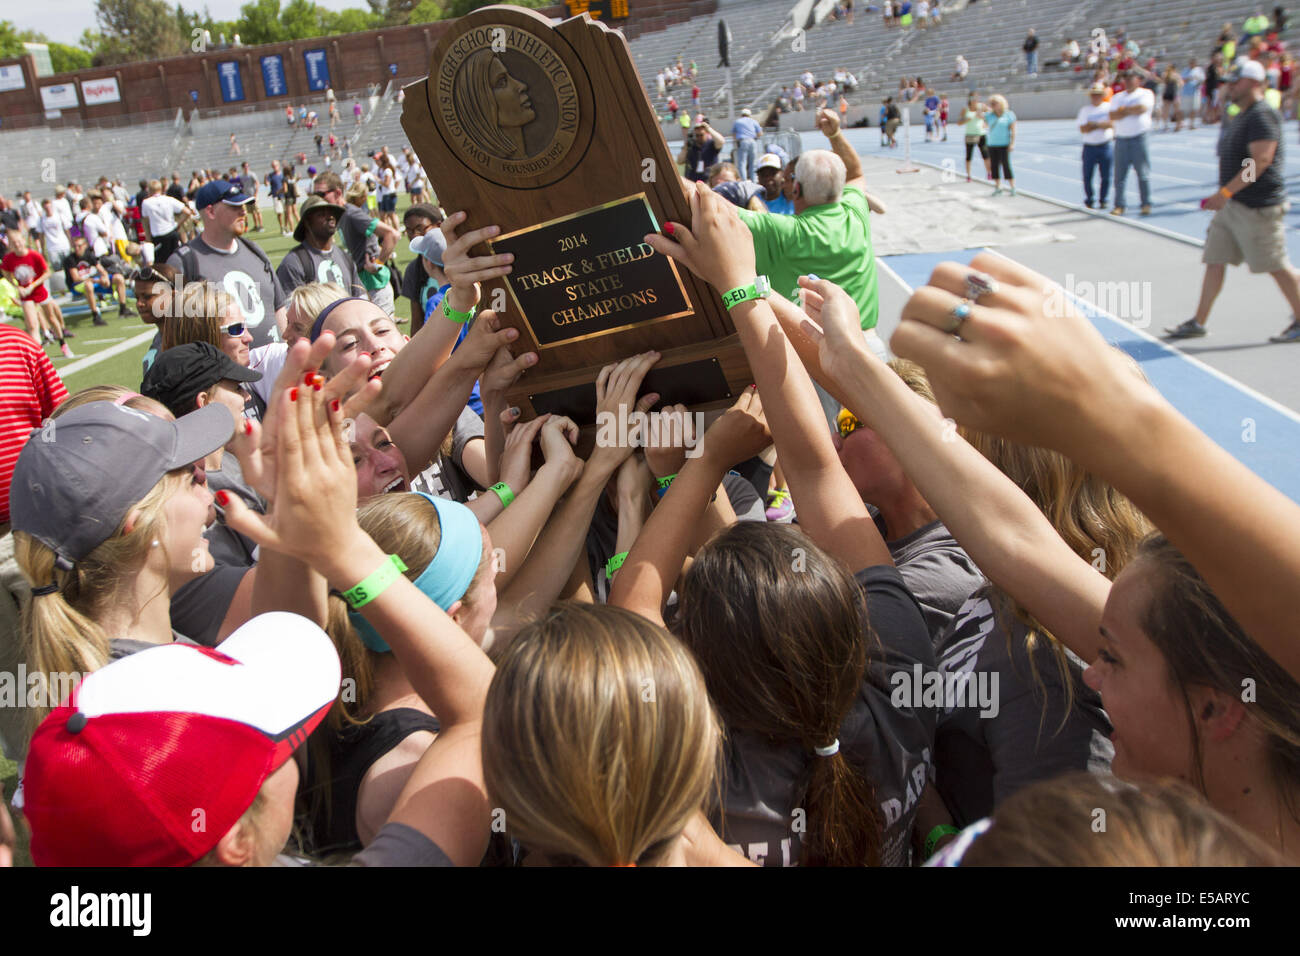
846	423
236	329
146	274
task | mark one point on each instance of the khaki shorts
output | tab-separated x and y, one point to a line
1257	236
279	205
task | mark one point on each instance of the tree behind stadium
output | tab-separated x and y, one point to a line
131	30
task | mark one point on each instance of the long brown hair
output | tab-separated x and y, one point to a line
781	632
1099	524
1203	645
599	740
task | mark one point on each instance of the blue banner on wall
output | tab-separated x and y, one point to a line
318	69
273	76
232	83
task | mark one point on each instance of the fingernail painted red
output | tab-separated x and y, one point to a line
223	498
668	229
306	379
334	405
248	428
293	395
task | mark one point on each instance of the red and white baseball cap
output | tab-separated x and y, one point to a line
156	756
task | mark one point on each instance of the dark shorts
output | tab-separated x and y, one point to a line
388	203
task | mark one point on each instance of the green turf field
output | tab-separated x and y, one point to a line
123	368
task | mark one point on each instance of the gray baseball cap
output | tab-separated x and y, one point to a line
432	245
78	478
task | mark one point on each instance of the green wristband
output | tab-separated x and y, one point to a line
937	834
504	493
663	483
614	563
360	595
453	315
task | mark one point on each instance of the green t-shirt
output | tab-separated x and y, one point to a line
832	241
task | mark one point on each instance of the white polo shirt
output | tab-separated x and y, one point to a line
161	211
1095	114
1138	123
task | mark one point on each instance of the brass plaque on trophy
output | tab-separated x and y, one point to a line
546	131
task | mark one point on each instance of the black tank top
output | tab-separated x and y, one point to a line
352	753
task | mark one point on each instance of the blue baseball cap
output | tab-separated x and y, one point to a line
220	191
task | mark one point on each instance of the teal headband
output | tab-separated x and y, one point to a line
445	580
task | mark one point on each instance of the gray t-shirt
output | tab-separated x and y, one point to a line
940	575
199	606
396	844
245	276
358	228
333	266
446	477
892	744
230	477
1027	733
120	647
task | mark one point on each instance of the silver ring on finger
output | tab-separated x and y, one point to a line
978	284
959	313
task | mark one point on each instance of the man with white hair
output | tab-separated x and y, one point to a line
1250	207
828	236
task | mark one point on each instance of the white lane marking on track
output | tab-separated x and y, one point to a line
1178	353
92	360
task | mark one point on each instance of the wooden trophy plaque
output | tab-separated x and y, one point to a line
547	132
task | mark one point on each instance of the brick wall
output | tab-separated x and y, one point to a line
355	61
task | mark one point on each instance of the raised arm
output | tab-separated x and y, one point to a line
315	522
516	529
721	251
655	561
1044	376
560	546
420	428
408	373
993	520
829	124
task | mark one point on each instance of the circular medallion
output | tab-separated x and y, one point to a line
513	107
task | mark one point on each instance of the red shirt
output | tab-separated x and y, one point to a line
25	268
30	390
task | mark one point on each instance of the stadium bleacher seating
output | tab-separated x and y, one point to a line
987	34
